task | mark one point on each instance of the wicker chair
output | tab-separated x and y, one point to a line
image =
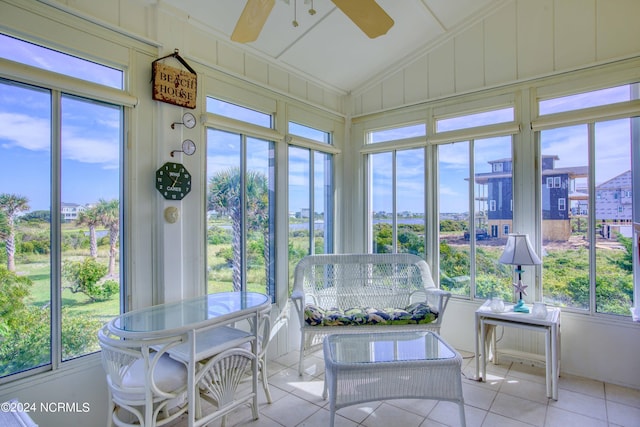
345	281
217	381
143	380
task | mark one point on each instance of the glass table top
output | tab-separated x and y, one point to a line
388	347
188	313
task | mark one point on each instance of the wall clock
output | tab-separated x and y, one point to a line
173	181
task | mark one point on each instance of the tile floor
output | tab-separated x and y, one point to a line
514	396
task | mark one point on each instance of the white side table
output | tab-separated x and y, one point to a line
486	321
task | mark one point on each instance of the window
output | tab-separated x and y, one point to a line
58	62
505	231
240	235
60	214
588	262
396	200
236	112
585	100
556	182
309	133
550	182
472	213
397	133
468	121
311	200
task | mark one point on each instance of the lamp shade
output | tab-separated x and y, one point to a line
518	251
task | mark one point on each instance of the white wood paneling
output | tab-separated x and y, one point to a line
500	46
393	90
442	70
372	99
469	59
416	78
575	33
278	78
519	41
198	46
231	58
618	28
535	37
256	69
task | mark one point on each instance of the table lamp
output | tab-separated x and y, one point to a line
518	251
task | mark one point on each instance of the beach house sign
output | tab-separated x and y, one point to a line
174	85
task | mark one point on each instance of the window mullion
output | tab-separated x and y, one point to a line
243	213
591	229
312	248
55	230
394	202
472	220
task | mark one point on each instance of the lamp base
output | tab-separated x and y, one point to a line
520	307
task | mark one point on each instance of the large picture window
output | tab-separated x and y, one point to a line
475	216
240	213
310	195
397	194
587	224
60	216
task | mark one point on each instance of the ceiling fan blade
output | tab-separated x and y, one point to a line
252	19
367	15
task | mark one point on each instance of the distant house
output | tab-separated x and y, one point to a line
70	211
613	205
558	196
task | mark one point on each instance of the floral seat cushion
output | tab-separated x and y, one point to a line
417	313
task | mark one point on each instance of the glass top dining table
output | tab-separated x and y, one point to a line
194	313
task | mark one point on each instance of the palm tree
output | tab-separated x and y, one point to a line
224	197
11	205
109	214
91	218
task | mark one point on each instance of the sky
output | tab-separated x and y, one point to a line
91	139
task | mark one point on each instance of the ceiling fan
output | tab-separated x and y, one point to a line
366	14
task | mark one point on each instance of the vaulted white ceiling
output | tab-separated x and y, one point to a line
328	47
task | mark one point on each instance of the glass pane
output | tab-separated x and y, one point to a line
309	133
398	133
323	203
504	115
453	193
299	209
51	60
25	246
410	201
260	216
381	167
614	200
90	152
565	221
585	100
223	211
493	215
237	112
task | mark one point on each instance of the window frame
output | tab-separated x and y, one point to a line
59	85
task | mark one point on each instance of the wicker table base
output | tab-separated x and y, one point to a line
390	365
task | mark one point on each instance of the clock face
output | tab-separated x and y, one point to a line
188	120
173	181
188	147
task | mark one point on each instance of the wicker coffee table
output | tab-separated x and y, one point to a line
390	365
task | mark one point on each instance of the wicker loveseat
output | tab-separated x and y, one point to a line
352	293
